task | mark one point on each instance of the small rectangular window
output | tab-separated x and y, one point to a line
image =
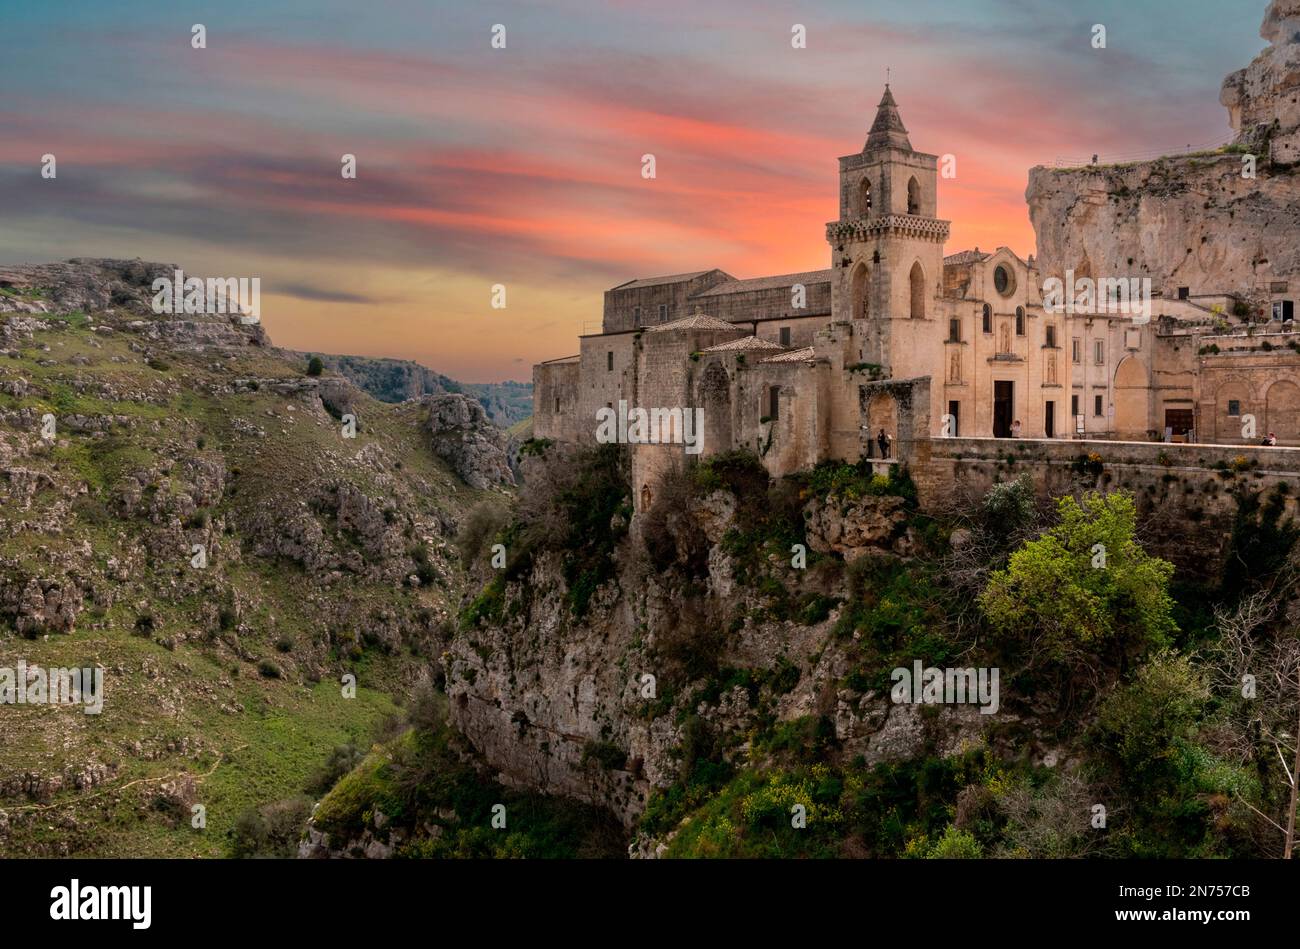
954	331
557	405
1288	311
774	403
1099	352
663	312
1020	321
1277	286
785	336
1184	292
1074	406
1096	406
1234	408
988	319
609	361
636	316
1051	336
1076	351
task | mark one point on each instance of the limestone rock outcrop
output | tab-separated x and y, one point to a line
118	295
854	528
1263	100
465	438
1192	221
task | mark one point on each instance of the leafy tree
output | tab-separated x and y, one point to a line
314	366
1173	789
956	845
1085	594
1009	506
1140	722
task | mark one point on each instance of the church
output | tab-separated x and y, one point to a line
896	336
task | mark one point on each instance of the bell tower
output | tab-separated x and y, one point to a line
887	247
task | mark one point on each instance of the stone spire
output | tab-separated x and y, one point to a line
888	130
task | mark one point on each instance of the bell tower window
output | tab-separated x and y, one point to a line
917	282
864	197
913	197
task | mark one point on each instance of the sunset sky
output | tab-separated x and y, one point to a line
522	166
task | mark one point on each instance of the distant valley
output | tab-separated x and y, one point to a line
396	380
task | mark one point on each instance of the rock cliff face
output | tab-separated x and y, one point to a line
1192	221
604	707
1263	100
1184	222
465	438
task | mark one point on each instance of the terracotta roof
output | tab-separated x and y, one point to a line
659	281
966	257
698	321
797	355
744	344
767	283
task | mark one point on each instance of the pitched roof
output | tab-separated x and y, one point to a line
767	283
745	344
888	129
659	281
698	321
966	257
797	355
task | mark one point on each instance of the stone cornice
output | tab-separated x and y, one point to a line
905	225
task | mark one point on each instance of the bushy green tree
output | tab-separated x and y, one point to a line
1009	506
315	366
1172	789
1084	594
956	845
1141	721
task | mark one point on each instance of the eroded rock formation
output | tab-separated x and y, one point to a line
1192	221
465	438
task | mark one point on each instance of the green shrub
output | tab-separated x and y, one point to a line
605	754
1085	592
955	845
271	830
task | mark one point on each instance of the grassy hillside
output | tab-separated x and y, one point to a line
325	556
